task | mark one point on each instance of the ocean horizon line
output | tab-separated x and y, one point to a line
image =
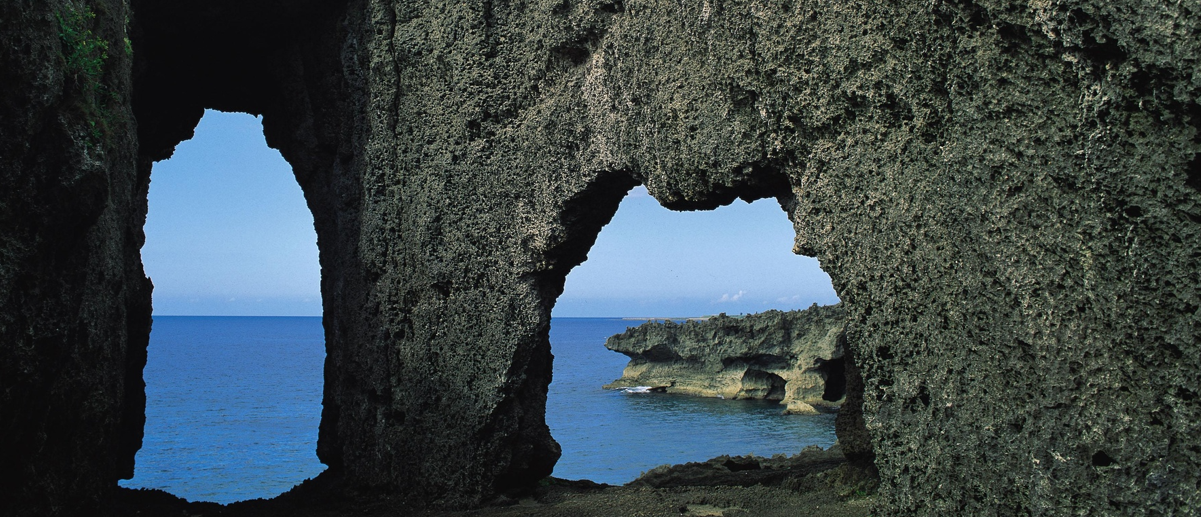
630	318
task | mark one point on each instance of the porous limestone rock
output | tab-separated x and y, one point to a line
1005	195
793	357
74	302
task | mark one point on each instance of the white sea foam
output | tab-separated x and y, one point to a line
637	389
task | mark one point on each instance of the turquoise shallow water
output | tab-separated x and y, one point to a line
233	405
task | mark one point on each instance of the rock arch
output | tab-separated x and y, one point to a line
989	185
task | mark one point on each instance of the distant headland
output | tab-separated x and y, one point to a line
794	357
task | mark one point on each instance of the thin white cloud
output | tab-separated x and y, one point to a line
731	298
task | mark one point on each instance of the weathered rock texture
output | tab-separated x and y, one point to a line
793	357
742	470
74	302
1004	193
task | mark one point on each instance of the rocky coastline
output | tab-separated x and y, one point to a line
815	482
793	357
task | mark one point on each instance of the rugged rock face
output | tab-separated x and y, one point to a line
743	470
794	357
1004	193
74	302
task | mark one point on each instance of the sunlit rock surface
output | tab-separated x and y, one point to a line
793	357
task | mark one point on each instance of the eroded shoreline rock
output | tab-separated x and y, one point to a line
794	357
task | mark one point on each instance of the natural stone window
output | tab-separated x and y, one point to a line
651	262
233	388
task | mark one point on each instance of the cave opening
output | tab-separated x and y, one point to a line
234	370
761	385
650	263
834	372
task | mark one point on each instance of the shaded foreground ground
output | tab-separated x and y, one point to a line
814	482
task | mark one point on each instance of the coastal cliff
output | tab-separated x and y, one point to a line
793	357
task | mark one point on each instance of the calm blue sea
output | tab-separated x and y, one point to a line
233	405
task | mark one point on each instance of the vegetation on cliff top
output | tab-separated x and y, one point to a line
84	55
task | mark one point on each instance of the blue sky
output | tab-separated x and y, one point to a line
228	233
650	261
